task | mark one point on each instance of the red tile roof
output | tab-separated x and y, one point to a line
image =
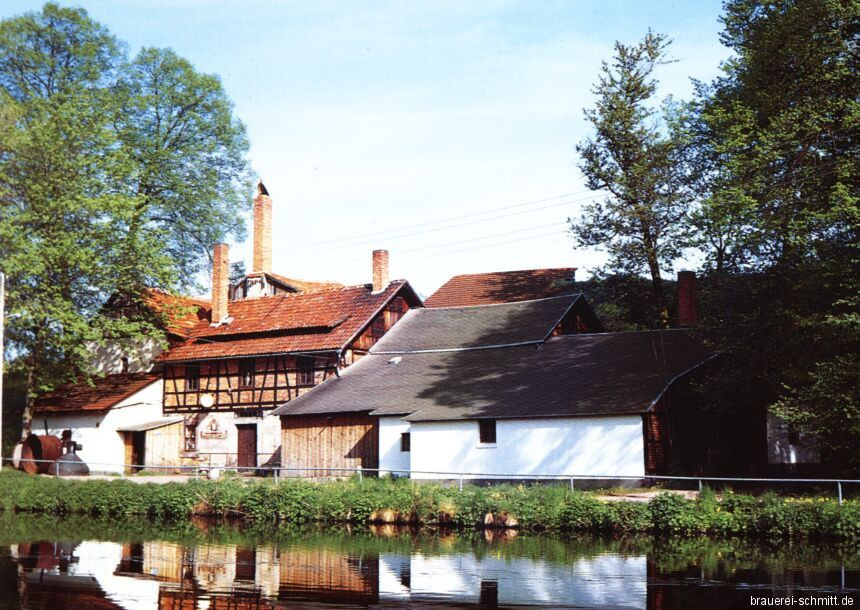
503	287
182	313
101	396
297	322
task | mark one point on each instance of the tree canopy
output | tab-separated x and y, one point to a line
632	157
764	182
116	175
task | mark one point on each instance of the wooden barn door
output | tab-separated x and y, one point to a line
247	451
347	442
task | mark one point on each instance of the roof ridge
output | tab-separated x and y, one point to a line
620	332
515	271
508	303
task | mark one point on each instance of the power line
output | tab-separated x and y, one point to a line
398	252
444	220
435	229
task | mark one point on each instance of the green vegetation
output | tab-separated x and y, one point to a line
117	174
669	553
757	177
536	509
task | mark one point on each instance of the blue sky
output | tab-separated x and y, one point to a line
372	123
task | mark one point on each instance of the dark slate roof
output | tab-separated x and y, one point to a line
570	375
464	327
503	287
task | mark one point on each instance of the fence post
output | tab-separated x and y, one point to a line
839	490
360	476
700	485
571	483
461	481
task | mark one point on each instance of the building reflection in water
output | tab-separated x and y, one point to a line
168	575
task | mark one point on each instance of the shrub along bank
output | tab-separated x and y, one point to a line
537	508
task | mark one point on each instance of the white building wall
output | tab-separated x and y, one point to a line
107	356
780	450
97	432
598	446
218	438
391	458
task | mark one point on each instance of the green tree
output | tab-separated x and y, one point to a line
92	202
777	136
633	155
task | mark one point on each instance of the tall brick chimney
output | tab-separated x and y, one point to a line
262	230
688	304
220	282
380	270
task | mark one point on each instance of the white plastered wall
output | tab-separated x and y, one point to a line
107	357
103	448
596	446
218	437
780	450
391	458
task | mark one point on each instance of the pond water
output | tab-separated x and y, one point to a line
77	563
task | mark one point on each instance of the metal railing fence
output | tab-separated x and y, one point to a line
460	477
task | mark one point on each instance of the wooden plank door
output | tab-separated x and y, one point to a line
138	450
247	451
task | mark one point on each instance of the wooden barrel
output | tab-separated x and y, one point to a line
42	447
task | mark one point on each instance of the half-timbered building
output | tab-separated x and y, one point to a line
266	340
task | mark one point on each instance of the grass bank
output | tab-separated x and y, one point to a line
537	508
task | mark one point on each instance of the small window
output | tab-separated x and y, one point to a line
487	430
377	328
246	373
405	441
305	374
124	364
192	378
190	436
395	310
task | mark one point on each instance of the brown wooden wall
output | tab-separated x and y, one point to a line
339	441
328	575
387	318
657	438
275	382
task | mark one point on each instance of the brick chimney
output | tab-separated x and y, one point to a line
220	282
688	304
380	270
262	230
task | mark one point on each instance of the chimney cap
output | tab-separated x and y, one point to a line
261	189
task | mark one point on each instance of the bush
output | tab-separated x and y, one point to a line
535	508
582	512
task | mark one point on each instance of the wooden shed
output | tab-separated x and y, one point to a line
153	444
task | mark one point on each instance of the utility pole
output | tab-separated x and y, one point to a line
2	320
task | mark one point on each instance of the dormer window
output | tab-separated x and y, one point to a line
247	368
